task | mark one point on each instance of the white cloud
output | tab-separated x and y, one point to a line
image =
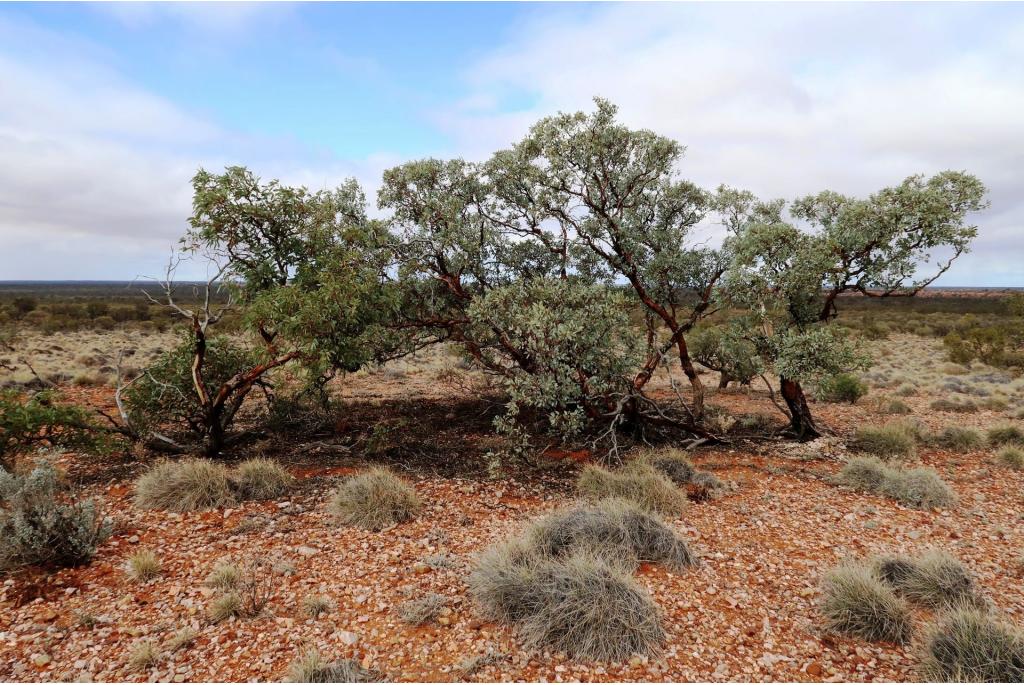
786	100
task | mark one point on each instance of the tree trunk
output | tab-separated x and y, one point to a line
691	374
724	380
801	422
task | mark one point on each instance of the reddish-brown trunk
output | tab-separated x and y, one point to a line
801	422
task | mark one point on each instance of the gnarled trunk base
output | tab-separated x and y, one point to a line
801	423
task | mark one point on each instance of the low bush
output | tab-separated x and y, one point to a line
40	420
38	528
639	483
858	604
224	607
260	479
187	485
705	485
971	646
894	440
956	439
895	407
955	406
143	654
310	667
1011	457
863	473
423	610
614	529
842	387
315	606
1007	434
143	565
374	500
673	463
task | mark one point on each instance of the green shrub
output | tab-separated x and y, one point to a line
187	485
310	667
638	483
889	441
374	500
616	530
956	439
260	479
41	419
38	528
1011	457
579	604
858	604
971	646
842	387
1007	434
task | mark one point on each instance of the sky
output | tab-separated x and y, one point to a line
107	110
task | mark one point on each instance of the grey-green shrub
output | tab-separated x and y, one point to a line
374	500
972	646
935	580
921	488
186	485
858	604
842	387
260	479
639	483
423	609
39	528
864	473
955	406
1008	434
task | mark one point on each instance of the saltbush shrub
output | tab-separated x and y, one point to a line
639	483
39	528
374	500
842	387
970	645
858	604
187	485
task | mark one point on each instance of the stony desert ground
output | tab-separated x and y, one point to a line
750	611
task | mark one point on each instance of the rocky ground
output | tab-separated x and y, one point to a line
749	612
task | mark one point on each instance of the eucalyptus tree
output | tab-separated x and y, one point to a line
614	197
305	274
790	275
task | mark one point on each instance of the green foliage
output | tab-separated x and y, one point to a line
725	350
858	604
984	343
165	394
42	419
969	645
39	528
842	387
374	500
814	354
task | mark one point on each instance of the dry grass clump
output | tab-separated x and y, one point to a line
1007	434
955	406
579	604
673	463
310	667
894	407
893	440
143	654
188	485
857	603
182	638
1011	457
374	500
315	606
224	576
224	607
615	529
956	439
639	483
260	479
971	646
423	610
143	565
921	487
935	580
